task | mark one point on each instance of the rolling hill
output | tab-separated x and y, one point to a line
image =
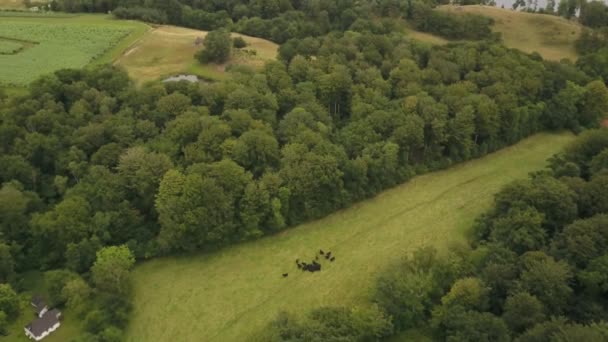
551	36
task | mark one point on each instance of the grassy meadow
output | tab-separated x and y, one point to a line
551	36
169	50
12	4
51	43
234	293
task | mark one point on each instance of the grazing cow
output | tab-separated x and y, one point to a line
299	266
317	257
332	259
298	261
327	256
321	252
314	262
285	275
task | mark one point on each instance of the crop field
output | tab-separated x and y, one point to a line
231	295
551	36
54	43
169	50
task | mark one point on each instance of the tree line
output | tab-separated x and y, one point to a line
281	20
535	269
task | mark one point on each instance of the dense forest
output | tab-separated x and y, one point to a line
536	268
89	162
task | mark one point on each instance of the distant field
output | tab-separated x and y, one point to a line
169	50
551	36
66	42
232	294
12	4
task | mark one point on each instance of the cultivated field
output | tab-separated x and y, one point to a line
551	36
169	50
49	43
234	293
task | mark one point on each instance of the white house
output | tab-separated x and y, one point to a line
44	325
39	306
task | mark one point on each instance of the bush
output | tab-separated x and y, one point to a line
217	49
239	43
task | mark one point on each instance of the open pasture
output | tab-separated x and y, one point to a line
12	4
54	43
231	295
551	36
169	50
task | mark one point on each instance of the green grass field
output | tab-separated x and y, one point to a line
169	50
231	295
551	36
60	42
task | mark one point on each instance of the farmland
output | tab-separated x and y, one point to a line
168	50
228	295
53	43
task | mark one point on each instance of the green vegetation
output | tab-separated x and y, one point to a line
34	283
217	47
9	47
550	36
238	290
168	50
535	265
98	171
59	43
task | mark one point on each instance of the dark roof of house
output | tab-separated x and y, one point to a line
40	325
38	302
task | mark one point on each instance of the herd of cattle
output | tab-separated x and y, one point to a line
314	266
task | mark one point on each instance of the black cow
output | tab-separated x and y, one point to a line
285	275
332	259
298	261
299	266
321	252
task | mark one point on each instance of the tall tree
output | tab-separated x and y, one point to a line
111	269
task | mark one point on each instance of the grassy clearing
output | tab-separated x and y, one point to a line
34	284
232	294
58	43
169	50
426	37
551	36
12	4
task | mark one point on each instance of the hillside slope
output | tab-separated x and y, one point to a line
229	295
551	36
